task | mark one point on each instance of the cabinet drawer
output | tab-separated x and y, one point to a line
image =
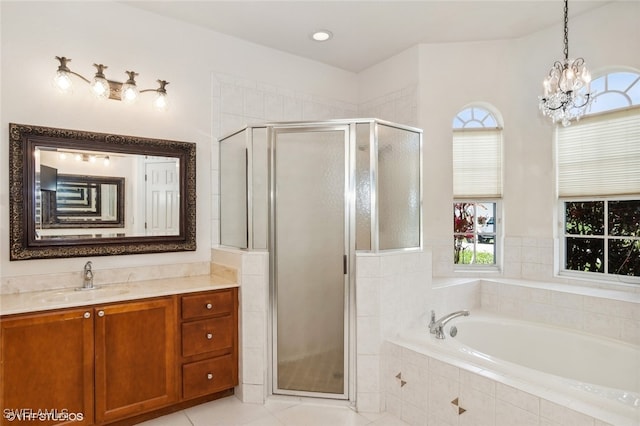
206	304
207	335
208	376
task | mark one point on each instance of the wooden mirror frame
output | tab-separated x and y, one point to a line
23	243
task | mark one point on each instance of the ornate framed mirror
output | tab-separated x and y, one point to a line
77	193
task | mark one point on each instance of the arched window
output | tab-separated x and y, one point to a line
477	186
598	166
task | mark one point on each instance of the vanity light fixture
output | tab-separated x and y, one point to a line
321	35
103	88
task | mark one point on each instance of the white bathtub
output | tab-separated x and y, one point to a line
596	371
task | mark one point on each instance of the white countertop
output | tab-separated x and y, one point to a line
68	298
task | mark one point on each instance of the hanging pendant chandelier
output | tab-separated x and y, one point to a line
567	87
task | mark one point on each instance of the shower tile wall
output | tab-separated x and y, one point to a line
391	294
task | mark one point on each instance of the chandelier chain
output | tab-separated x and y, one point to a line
566	30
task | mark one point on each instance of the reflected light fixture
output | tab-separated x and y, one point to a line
109	89
567	87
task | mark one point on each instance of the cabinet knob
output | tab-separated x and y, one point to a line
209	306
87	315
209	336
209	376
100	314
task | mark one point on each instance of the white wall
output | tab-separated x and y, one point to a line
125	38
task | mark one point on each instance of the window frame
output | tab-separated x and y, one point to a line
563	235
497	241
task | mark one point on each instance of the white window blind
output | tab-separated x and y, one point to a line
477	163
600	155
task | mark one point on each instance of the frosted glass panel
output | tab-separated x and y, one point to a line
398	188
363	187
260	188
233	191
309	249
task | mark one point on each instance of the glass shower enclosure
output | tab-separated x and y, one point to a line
313	194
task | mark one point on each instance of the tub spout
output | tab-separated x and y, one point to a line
435	326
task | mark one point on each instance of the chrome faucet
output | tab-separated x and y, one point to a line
87	282
435	327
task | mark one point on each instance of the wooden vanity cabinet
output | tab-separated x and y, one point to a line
47	368
135	358
119	363
209	342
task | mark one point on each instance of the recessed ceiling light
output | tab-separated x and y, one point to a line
322	35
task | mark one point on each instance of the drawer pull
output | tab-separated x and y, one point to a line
209	306
209	336
209	376
100	314
87	315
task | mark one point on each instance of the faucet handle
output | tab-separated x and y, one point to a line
432	322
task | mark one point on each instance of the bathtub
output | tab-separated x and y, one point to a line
594	375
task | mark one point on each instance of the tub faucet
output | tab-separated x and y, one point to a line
87	282
435	327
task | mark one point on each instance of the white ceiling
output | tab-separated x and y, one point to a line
367	32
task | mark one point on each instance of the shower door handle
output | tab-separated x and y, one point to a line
344	264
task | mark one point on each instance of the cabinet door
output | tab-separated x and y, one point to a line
135	358
46	372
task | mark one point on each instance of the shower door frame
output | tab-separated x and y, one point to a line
348	128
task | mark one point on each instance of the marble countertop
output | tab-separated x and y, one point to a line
70	297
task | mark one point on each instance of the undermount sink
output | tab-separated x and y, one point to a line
74	295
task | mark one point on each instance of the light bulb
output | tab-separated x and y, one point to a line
62	81
92	158
129	88
160	102
100	88
78	157
106	161
129	93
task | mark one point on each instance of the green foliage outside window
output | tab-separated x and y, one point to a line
603	236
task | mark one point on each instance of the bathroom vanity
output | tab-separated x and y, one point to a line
118	361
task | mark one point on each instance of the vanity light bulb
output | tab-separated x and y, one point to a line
160	103
62	156
129	92
78	157
100	88
106	161
62	81
92	159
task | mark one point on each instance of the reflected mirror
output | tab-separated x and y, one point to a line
76	193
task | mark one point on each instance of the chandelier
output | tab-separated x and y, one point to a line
567	87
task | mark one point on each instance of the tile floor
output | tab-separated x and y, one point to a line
230	411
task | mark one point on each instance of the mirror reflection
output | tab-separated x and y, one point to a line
79	192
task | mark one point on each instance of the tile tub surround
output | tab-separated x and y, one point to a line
422	395
610	313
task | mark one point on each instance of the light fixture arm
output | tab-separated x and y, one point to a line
63	67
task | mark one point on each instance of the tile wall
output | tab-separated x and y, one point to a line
423	390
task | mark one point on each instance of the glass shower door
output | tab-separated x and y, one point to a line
309	223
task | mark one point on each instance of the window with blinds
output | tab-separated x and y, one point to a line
477	187
477	163
598	182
